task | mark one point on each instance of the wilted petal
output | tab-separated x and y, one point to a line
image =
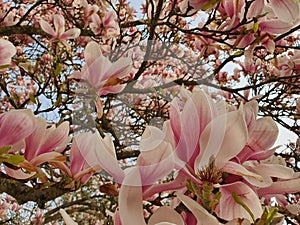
202	215
228	209
18	174
68	220
165	216
48	157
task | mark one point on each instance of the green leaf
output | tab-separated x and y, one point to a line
238	53
58	100
32	98
58	69
4	149
255	27
209	5
12	159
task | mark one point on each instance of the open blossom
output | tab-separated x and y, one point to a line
101	74
43	144
59	33
7	50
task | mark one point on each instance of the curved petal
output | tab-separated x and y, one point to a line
100	152
272	170
48	157
164	216
152	137
111	89
15	125
178	183
222	139
18	174
274	26
263	135
96	70
281	187
287	10
251	177
130	199
228	209
47	28
119	69
202	215
156	164
92	51
35	139
55	137
59	24
70	34
8	50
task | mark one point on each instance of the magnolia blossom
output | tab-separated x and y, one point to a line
7	50
89	154
59	33
101	74
43	144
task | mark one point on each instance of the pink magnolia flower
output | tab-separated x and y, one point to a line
262	134
16	125
89	154
105	77
109	25
59	33
44	144
8	50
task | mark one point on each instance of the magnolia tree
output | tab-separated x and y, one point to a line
160	112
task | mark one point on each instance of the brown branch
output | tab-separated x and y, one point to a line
23	193
30	30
